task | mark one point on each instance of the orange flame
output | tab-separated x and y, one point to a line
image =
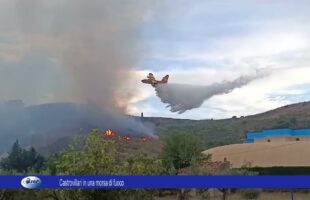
109	133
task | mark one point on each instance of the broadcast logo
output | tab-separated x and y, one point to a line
31	182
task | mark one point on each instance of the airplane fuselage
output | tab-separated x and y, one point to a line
152	81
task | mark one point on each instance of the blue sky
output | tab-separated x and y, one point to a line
196	42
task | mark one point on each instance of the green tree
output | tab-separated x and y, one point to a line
180	150
99	156
32	160
143	164
88	155
96	156
21	160
13	161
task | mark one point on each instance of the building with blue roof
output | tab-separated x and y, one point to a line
277	148
278	135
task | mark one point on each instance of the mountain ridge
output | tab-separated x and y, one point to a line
54	123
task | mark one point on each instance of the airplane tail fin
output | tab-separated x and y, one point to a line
165	79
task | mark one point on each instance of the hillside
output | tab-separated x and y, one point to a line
228	131
50	127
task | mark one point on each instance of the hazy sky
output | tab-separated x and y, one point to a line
196	42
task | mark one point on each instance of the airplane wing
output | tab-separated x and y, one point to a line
151	77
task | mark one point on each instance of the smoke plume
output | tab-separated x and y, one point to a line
95	43
183	97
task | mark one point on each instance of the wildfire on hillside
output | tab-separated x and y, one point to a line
112	135
109	133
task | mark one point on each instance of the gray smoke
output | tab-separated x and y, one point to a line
95	43
183	97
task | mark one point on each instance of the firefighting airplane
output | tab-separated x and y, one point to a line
150	79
